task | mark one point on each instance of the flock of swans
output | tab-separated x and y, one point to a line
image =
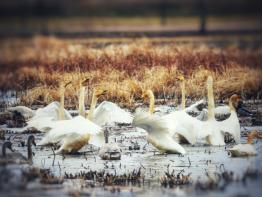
166	132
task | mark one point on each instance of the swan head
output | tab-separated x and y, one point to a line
6	145
254	134
63	86
85	82
147	94
236	101
99	92
31	140
180	78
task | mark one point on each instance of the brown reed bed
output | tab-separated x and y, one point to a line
36	66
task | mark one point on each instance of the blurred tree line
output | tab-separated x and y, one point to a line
42	8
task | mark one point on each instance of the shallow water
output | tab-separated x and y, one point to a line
198	161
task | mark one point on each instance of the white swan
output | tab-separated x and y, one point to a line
44	117
212	130
72	134
173	120
231	124
244	150
180	123
157	133
190	129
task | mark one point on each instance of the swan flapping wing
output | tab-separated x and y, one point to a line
109	113
150	123
158	133
51	110
76	126
182	123
196	107
43	124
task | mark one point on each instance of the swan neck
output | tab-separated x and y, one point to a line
250	138
151	106
211	101
92	106
62	100
4	150
106	136
183	94
231	105
82	101
29	150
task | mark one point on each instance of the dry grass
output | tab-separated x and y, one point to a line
38	65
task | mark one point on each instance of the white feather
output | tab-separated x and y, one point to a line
44	117
222	110
108	113
51	110
231	125
194	107
26	112
63	129
158	133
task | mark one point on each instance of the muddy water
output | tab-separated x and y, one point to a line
198	161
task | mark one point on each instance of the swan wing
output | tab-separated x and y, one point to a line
150	123
158	133
232	126
212	133
182	123
42	124
196	107
164	142
51	110
109	113
222	110
26	112
78	125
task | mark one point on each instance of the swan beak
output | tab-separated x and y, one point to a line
85	82
67	84
103	92
180	78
